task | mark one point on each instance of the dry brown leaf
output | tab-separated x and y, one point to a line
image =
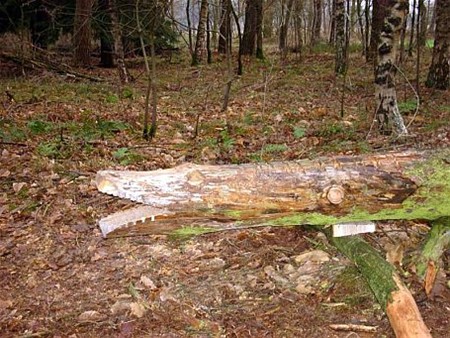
137	309
91	316
18	186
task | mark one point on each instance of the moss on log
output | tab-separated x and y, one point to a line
437	241
401	185
391	293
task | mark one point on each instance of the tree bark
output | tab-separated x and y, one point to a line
82	33
250	28
106	36
439	72
322	191
388	114
437	242
380	11
118	45
317	22
225	27
341	50
284	28
200	43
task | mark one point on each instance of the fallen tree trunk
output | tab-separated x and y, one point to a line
438	241
202	198
394	297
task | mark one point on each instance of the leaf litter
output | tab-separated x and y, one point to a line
60	278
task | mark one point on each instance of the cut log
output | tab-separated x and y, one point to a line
402	185
394	297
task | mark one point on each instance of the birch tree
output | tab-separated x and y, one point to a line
341	50
388	114
200	43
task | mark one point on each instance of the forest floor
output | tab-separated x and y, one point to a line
60	278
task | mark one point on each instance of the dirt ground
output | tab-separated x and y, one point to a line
60	278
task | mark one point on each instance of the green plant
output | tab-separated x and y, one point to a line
127	93
9	132
125	156
49	149
275	148
407	106
299	132
112	98
227	140
39	126
331	129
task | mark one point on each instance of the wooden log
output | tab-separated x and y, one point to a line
394	297
436	243
402	185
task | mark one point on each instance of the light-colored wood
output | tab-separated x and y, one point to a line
403	314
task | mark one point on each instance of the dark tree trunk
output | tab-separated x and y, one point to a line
380	11
317	22
106	36
82	33
225	27
250	27
341	50
259	31
439	73
333	23
422	39
284	28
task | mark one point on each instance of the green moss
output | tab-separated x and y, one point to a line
190	231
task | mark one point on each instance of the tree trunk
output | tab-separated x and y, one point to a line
268	19
380	11
323	191
393	296
250	28
106	36
82	33
341	52
413	27
259	32
437	242
388	114
225	27
422	34
439	72
317	23
333	23
200	43
118	45
284	28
